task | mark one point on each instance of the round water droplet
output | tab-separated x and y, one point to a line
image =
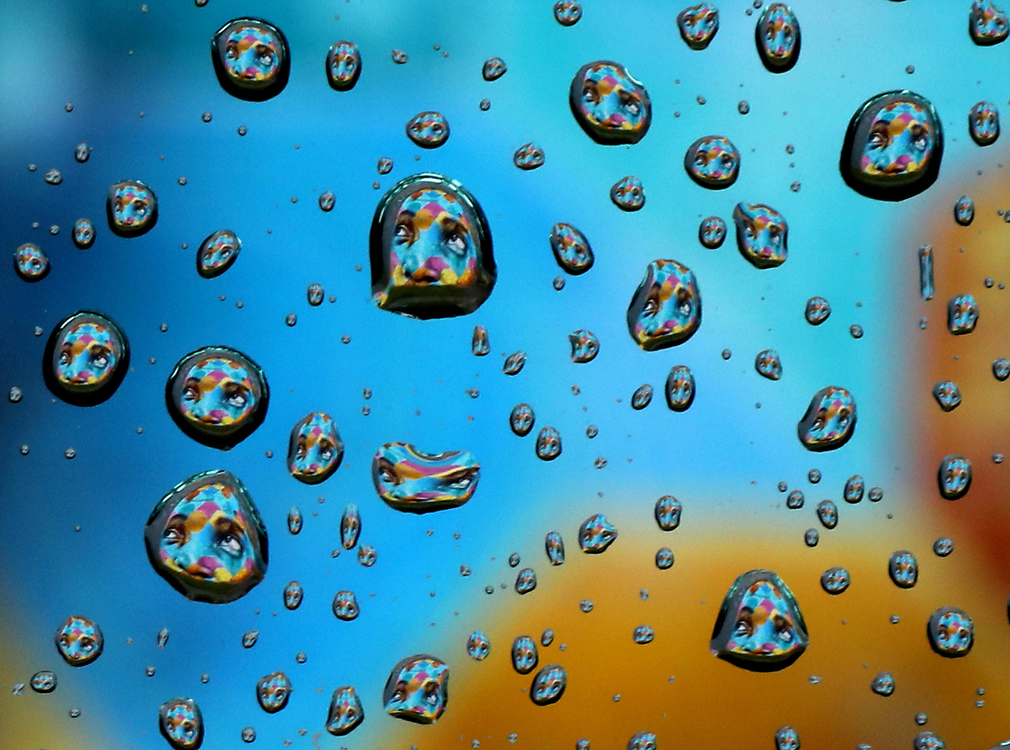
964	211
79	640
854	489
567	13
327	200
54	177
835	580
664	558
713	162
883	684
811	537
242	130
962	314
892	171
712	232
485	105
478	646
300	657
954	476
315	294
818	310
592	431
528	156
273	691
94	374
524	654
794	500
643	634
248	733
827	513
251	59
1001	369
24	450
30	262
829	421
628	193
586	606
987	23
367	555
666	308
928	741
513	559
596	534
217	253
43	682
181	723
875	494
555	548
814	476
521	419
131	208
767	363
345	606
903	569
149	671
951	632
548	444
494	68
726	353
343	65
428	129
983	123
526	581
207	116
947	395
668	511
609	104
549	685
293	595
761	234
84	233
943	546
921	718
399	56
642	397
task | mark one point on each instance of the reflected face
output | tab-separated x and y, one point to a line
132	208
315	448
253	53
585	346
273	691
642	741
610	105
767	363
666	308
962	314
712	232
417	689
954	477
30	262
567	13
787	738
760	621
549	685
713	162
596	534
346	711
679	388
410	480
951	632
964	211
345	606
698	24
350	526
88	353
521	419
668	510
79	641
548	444
987	23
478	645
555	547
983	123
528	156
761	234
428	129
628	194
903	569
217	253
778	37
494	68
218	391
343	65
829	421
899	142
524	654
84	233
571	249
181	723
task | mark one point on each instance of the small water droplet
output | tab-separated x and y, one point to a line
794	500
947	395
293	595
242	130
567	13
628	193
514	363
70	453
528	156
642	397
712	232
300	657
827	513
954	476
743	107
835	580
786	738
163	637
811	537
768	364
548	445
903	569
248	733
521	420
726	354
668	511
526	581
399	57
54	177
962	314
249	638
586	606
549	685
592	431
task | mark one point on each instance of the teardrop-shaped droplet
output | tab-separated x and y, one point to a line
555	547
767	363
494	68
350	526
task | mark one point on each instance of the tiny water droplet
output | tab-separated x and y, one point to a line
15	394
399	57
315	294
327	200
883	684
485	105
642	397
70	453
207	116
54	177
811	537
743	107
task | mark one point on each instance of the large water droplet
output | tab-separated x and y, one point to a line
835	580
548	444
854	486
417	482
417	689
926	288
903	569
343	65
435	274
609	104
571	249
712	232
218	396
787	738
478	645
346	711
827	512
829	421
494	68
760	625
183	545
428	129
217	253
567	13
30	262
528	156
181	723
86	357
983	123
698	24
778	38
273	692
524	654
479	344
549	685
555	547
964	211
666	308
947	395
132	208
951	632
345	605
521	419
642	397
585	346
526	581
293	594
883	684
315	449
251	59
987	23
596	534
628	193
350	526
761	234
954	476
962	314
713	162
878	165
767	363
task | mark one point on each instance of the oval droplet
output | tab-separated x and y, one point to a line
954	476
767	363
668	511
526	581
350	526
514	363
643	634
521	419
827	513
293	594
712	232
294	520
528	156
698	24
494	68
479	344
951	632
628	193
761	234
315	449
829	421
571	249
666	308
794	500
132	208
778	38
327	200
417	689
549	685
428	129
818	310
346	711
596	534
84	233
585	346
548	444
983	123
385	165
30	262
555	547
343	65
964	211
412	481
567	13
835	580
217	253
273	692
315	294
181	723
642	397
86	358
811	537
962	314
524	654
251	59
926	288
1001	369
713	162
345	605
53	177
679	388
883	684
943	546
609	104
903	569
478	646
664	558
947	395
854	486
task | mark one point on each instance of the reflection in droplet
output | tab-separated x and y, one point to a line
964	211
249	638
818	310
983	123
54	177
883	684
835	580
251	59
794	500
548	444
827	513
367	555
585	346
1001	369
343	65
928	741
571	249
642	741
778	38
345	606
273	692
761	234
903	569
479	344
666	307
768	364
350	526
181	723
698	24
962	314
549	685
947	395
84	233
628	193
43	682
410	480
217	253
555	547
327	200
713	162
428	129
30	262
668	511
954	476
524	654
609	104
417	689
528	156
315	449
926	288
514	363
526	581
987	23
494	68
293	594
664	558
811	537
943	546
951	632
567	13
787	738
596	534
642	397
346	711
521	419
712	232
829	421
679	388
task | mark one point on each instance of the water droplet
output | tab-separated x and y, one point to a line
220	574
315	449
712	232
666	308
928	741
643	634
794	500
713	162
943	546
987	24
767	363
30	262
921	718
300	657
521	419
131	207
609	104
428	129
526	581
350	526
416	482
818	310
478	646
494	68
149	671
399	56
248	733
217	253
962	314
385	165
549	685
835	580
829	421
954	476
293	594
14	395
548	444
760	625
181	723
811	537
346	711
761	234
555	547
315	294
947	395
251	59
163	638
528	156
983	123
926	287
586	606
229	404
664	558
854	489
84	233
345	606
642	397
814	476
596	534
514	363
903	569
70	452
1001	369
679	388
273	692
567	14
743	107
207	116
242	130
628	193
900	170
642	740
43	682
571	249
524	654
778	38
951	632
294	520
964	211
249	638
787	738
827	513
698	25
327	201
875	494
547	637
343	65
54	177
883	684
417	689
81	152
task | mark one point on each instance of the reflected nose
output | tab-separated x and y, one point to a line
415	263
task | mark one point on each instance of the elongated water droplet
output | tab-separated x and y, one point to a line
778	38
412	481
249	638
315	294
84	233
521	419
526	581
954	476
163	638
479	343
642	397
835	580
926	288
951	632
345	606
903	569
698	24
854	489
548	444
343	65
596	534
350	526
943	546
294	520
964	211
417	689
293	594
524	654
478	646
983	123
54	177
346	711
43	682
628	193
514	363
555	547
273	692
549	685
679	388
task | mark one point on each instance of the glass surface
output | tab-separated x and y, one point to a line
633	624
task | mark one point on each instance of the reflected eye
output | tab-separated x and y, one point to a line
232	51
921	142
231	544
743	628
327	454
876	140
64	358
402	232
456	242
190	393
727	159
236	399
387	476
172	536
